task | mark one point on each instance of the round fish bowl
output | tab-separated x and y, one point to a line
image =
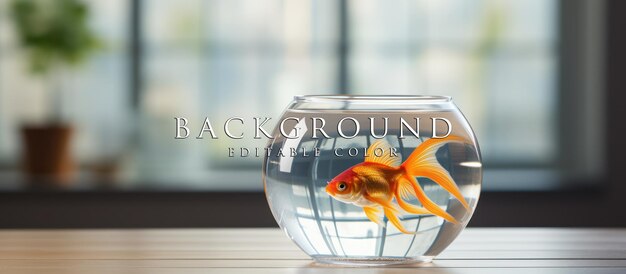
372	180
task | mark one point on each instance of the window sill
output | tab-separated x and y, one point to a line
249	180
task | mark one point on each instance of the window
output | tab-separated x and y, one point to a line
501	60
95	95
496	58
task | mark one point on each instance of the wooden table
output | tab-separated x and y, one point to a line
268	250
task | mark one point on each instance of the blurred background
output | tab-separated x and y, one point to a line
89	89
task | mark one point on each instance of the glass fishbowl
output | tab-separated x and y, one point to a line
372	180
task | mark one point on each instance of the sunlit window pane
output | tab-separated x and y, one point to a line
244	55
94	95
497	59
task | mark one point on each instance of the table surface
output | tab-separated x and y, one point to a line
268	250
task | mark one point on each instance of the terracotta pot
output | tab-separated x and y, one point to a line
47	153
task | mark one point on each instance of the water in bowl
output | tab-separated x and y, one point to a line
335	232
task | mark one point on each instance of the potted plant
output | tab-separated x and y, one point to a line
54	36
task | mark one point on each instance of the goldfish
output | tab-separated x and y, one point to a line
375	183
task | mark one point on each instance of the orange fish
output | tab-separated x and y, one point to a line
376	182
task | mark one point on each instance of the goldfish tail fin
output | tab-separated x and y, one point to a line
428	204
372	213
423	163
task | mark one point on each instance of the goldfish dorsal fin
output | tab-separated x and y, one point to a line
380	152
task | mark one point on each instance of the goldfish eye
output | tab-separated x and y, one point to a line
341	186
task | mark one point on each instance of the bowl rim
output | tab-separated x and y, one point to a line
430	99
